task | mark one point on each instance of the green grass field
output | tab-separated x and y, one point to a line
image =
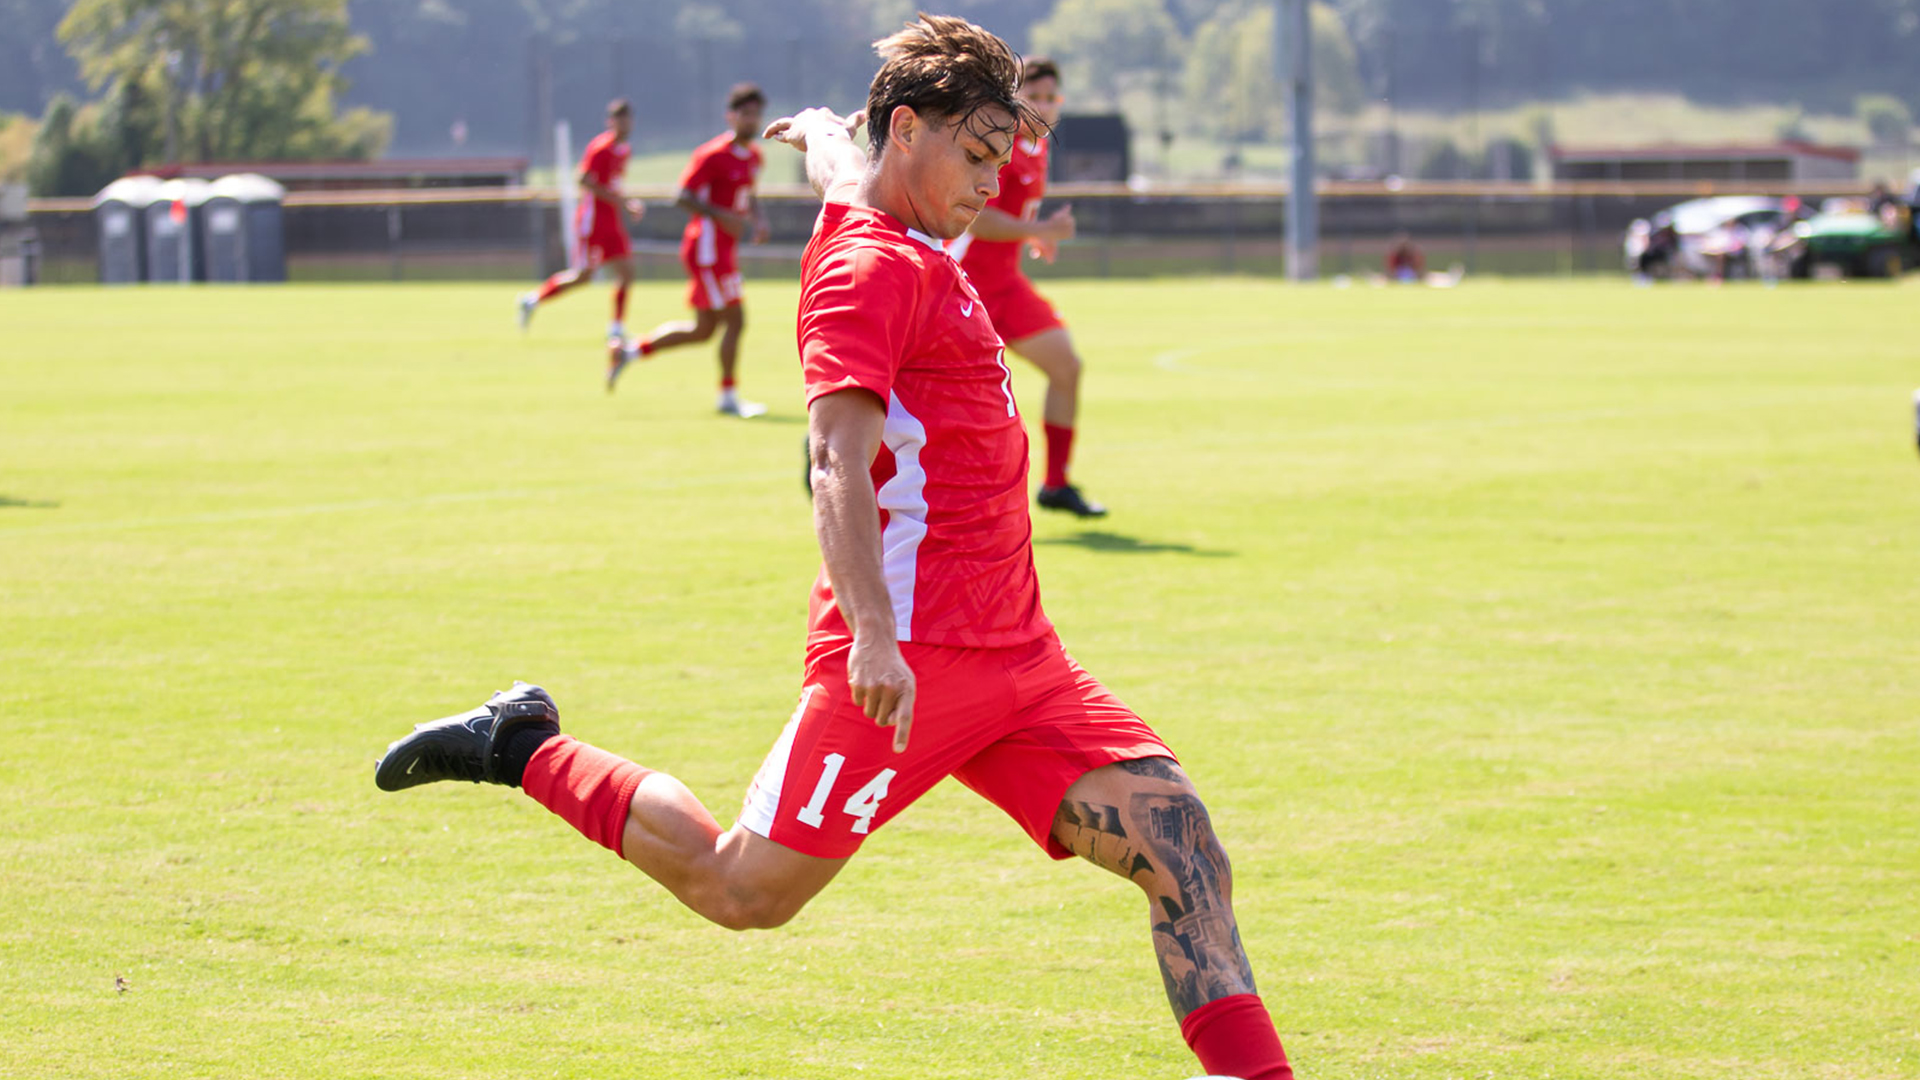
1545	652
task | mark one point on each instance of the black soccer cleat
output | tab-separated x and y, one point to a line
1067	497
468	746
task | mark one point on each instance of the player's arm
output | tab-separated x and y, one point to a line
590	183
1043	235
844	430
732	222
996	224
835	163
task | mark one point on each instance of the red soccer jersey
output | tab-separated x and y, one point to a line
885	309
1023	182
721	173
605	161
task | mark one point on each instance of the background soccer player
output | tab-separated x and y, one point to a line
602	222
928	654
718	191
991	253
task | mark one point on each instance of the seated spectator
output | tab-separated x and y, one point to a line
1405	261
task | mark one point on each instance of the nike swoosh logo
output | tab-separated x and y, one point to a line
412	765
966	310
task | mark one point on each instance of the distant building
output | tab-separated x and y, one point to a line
385	175
1090	148
1787	162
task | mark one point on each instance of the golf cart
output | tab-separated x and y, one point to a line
1858	237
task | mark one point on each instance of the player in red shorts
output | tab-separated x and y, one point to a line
601	223
928	654
717	191
990	253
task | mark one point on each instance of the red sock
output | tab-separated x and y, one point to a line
548	288
1234	1036
726	382
588	787
1059	449
646	346
620	304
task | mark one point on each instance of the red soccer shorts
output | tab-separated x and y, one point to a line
602	238
1017	308
1017	725
713	284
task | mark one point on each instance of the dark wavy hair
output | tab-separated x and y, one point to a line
947	70
744	94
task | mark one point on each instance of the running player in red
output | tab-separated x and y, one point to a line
717	191
990	253
928	654
601	223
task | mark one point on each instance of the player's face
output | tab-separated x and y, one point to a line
745	121
621	124
954	169
1043	96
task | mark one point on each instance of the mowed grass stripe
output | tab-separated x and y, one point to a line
1544	651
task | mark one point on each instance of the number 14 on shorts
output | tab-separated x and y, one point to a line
861	805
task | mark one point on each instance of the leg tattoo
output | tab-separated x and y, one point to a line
1165	844
1197	940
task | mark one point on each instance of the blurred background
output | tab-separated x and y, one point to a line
1505	136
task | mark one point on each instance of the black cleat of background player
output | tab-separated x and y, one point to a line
1067	497
470	746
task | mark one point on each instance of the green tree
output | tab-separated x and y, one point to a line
227	79
1106	45
1233	85
16	145
1887	118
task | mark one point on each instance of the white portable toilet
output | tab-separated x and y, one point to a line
120	217
175	246
245	237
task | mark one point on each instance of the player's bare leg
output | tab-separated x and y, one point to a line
623	274
733	877
552	287
736	878
672	335
667	335
1143	821
1052	352
733	323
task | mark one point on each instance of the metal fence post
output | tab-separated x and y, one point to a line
393	239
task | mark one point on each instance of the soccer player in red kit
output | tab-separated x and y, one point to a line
990	253
717	190
601	223
928	653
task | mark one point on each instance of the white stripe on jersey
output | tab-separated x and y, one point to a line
904	498
716	297
763	795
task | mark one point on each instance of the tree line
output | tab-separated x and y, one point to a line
120	83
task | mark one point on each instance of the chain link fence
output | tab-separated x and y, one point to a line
516	235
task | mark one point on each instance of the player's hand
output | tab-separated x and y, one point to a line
882	685
636	210
761	230
731	222
793	130
1060	224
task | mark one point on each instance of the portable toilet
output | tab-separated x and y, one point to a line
246	238
120	212
175	248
